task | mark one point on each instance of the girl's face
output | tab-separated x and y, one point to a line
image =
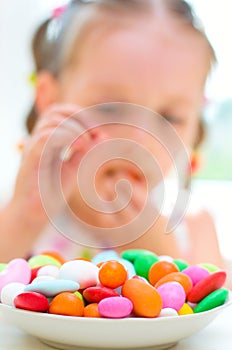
160	63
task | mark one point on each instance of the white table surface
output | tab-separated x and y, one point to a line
216	336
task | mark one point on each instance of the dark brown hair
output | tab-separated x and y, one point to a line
49	39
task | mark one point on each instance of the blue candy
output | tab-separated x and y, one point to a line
51	288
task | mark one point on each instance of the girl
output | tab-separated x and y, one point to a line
150	53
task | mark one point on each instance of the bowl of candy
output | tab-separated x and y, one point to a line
132	300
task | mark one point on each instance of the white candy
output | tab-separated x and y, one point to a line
81	271
165	258
168	312
10	292
43	278
49	270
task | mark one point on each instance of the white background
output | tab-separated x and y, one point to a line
18	20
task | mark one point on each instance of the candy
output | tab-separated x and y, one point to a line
179	277
51	288
181	264
96	294
57	256
83	272
216	298
18	270
79	295
159	270
133	254
10	291
41	260
49	270
143	263
112	274
43	278
115	307
165	258
185	310
91	310
128	266
104	256
67	304
172	294
31	301
196	273
135	284
206	286
168	312
210	267
145	299
2	267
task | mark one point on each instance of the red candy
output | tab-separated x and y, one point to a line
31	301
96	294
206	286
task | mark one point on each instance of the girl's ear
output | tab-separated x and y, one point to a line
46	91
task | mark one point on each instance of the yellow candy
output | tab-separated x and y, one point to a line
185	310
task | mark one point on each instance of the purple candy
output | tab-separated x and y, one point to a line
172	294
115	307
196	273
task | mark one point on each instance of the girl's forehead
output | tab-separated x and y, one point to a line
150	45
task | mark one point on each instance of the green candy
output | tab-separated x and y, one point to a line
210	267
41	260
2	267
133	254
181	264
215	299
143	263
78	294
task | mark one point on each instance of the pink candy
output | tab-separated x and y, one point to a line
115	307
18	270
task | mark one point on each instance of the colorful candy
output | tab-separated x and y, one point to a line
172	294
179	277
18	270
31	301
51	288
206	286
96	294
216	298
146	300
81	271
136	283
196	273
115	307
67	304
112	274
161	269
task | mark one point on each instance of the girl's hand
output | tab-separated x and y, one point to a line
47	176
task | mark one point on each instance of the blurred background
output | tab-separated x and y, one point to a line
212	184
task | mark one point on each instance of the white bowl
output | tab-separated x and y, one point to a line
65	332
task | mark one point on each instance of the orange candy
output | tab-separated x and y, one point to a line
159	270
91	310
145	299
67	304
179	277
112	274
